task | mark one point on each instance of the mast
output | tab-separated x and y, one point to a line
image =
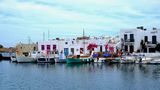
48	34
43	36
83	41
29	40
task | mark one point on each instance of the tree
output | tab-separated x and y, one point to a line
91	46
1	46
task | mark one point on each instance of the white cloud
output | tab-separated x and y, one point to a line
96	16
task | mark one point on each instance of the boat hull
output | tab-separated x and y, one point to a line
79	60
13	59
45	60
23	59
57	60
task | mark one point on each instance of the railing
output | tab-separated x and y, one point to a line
129	40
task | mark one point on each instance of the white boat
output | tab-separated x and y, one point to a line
154	61
60	59
45	58
26	57
101	59
13	59
145	58
128	59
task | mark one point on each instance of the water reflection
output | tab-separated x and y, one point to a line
156	73
100	76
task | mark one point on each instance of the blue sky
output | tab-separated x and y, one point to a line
20	19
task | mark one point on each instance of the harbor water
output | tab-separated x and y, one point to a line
93	76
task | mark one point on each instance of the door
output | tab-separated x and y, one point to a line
54	47
131	37
154	40
125	37
66	52
131	48
101	48
126	48
72	51
145	38
81	51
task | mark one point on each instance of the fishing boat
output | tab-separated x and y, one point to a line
13	59
154	61
79	59
100	59
26	57
112	60
45	58
60	58
128	59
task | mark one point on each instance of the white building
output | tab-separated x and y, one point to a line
131	39
74	46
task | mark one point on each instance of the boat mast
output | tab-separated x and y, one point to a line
48	34
83	41
43	36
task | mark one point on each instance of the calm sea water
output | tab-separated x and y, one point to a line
94	76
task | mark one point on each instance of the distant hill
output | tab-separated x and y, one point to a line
7	49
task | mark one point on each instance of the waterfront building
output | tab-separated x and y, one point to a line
22	48
140	39
78	45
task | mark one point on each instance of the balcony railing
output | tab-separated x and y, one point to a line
129	40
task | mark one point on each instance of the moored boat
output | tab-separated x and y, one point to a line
79	60
26	57
100	59
13	59
42	58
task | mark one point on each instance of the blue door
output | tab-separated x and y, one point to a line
66	51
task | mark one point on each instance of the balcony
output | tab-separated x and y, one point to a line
151	44
129	40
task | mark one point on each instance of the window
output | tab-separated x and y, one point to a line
66	42
152	50
42	47
145	38
132	37
126	48
48	47
154	40
34	48
54	47
72	51
72	42
125	37
131	48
